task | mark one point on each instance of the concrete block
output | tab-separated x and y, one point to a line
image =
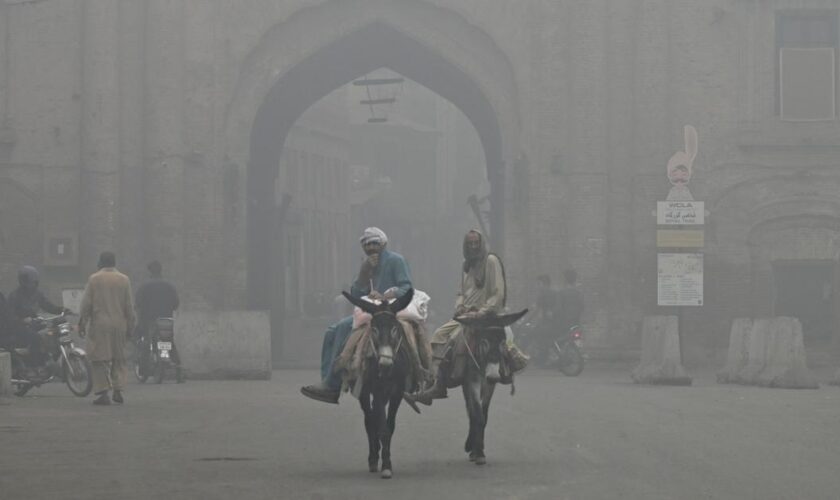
660	363
737	355
836	379
756	352
224	344
785	365
5	374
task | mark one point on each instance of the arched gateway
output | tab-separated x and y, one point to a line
318	50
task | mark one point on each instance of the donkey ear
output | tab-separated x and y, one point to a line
509	319
492	321
364	305
402	302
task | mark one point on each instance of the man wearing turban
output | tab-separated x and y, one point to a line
383	275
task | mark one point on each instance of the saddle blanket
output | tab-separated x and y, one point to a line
358	351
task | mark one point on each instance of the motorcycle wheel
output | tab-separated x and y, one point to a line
82	383
160	372
571	360
141	377
22	389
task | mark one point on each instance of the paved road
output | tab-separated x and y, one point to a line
595	436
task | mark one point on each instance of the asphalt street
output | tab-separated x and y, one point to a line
596	436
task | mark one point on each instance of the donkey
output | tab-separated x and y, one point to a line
485	341
384	377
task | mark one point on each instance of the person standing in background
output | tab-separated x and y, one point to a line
107	315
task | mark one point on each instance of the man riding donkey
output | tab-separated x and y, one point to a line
483	292
383	276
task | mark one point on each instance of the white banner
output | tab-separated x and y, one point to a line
680	279
670	213
72	299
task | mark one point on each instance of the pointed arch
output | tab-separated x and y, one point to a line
322	48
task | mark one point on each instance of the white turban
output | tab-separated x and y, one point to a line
374	235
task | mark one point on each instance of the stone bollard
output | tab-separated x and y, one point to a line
786	365
737	356
756	352
660	363
836	380
5	374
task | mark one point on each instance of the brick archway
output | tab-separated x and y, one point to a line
299	62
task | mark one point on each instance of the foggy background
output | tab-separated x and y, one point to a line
229	142
246	144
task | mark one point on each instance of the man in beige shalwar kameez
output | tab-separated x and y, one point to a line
483	293
107	315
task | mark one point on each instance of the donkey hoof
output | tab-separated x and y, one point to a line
386	474
480	460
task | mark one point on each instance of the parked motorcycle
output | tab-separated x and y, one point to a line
62	360
156	353
564	352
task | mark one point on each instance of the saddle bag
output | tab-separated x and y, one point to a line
516	359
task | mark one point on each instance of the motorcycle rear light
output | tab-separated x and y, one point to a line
576	335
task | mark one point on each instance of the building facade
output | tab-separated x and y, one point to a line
155	128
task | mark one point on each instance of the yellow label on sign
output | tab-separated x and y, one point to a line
679	238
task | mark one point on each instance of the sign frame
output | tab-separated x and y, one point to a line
680	279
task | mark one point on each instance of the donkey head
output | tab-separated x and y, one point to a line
386	332
490	337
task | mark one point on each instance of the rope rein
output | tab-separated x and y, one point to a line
469	351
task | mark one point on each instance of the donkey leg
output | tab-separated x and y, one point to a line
487	390
372	431
390	425
381	424
468	444
472	397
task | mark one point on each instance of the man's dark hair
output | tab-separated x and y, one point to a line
544	279
571	276
155	268
107	259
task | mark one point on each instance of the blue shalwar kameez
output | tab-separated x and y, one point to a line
391	272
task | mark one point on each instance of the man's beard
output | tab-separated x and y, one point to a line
473	254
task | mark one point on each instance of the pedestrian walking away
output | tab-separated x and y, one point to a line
107	318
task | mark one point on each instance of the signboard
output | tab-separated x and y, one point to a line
679	238
72	299
680	279
690	213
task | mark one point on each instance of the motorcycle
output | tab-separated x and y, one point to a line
564	353
157	353
63	360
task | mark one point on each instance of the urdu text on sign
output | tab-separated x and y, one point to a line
680	213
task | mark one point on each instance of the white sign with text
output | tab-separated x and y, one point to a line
690	213
680	279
